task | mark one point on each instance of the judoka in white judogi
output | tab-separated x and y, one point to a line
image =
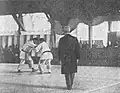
45	55
25	54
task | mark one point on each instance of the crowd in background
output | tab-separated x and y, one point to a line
9	54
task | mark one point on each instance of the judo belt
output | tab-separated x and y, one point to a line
45	52
24	51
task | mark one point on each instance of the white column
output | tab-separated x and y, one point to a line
28	37
21	40
109	30
15	40
48	39
3	41
41	35
9	40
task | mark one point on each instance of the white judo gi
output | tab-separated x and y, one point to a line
46	57
25	54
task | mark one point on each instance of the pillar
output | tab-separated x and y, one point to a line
109	30
15	40
21	40
3	41
41	35
28	37
48	39
90	36
9	40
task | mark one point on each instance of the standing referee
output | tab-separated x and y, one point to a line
69	53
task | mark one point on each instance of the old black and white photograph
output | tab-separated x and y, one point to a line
59	46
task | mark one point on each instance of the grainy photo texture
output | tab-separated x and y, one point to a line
59	46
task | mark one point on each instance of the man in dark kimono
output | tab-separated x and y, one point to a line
69	53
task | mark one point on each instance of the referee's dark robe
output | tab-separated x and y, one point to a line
68	53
